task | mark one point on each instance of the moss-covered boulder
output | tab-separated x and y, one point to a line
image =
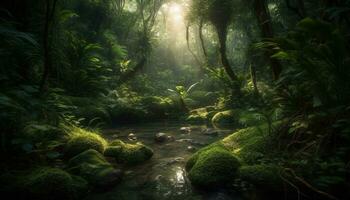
130	154
81	140
93	167
52	183
199	115
248	144
262	176
212	166
224	118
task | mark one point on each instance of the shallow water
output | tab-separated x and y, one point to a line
164	175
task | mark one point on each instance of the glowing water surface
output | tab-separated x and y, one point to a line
164	176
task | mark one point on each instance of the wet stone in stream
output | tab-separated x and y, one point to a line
163	177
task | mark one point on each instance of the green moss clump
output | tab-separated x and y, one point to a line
263	176
130	154
193	159
198	115
92	166
212	167
111	151
248	144
53	183
224	117
81	140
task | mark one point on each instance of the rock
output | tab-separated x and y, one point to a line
191	148
130	154
173	161
52	183
94	168
113	177
224	118
199	115
212	166
161	137
81	140
132	137
185	140
170	138
192	142
210	132
185	130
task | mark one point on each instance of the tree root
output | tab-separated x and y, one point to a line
308	185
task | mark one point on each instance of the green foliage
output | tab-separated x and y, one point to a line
316	73
262	176
130	154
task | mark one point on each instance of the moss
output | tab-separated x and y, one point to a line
111	151
53	183
193	159
198	115
212	166
129	153
157	107
81	140
263	176
248	144
224	117
92	166
127	113
39	132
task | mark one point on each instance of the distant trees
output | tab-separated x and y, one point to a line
219	14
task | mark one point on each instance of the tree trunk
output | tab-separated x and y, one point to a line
253	77
49	14
224	60
190	50
201	38
263	17
236	90
299	9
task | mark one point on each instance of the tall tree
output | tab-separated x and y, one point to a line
264	20
219	14
50	8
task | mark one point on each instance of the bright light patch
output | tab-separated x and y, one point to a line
176	13
175	9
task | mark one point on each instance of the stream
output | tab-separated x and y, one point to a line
164	175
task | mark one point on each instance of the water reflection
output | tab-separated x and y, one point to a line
164	176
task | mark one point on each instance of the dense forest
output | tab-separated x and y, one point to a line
175	99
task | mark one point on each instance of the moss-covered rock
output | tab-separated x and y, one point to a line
130	154
92	166
262	176
224	118
52	183
40	132
81	140
248	144
198	115
212	166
